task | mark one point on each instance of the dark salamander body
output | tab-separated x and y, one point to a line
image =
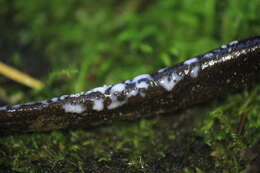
231	67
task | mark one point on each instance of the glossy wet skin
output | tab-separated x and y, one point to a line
230	67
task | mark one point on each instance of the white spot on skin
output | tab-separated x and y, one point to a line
208	55
224	46
233	43
118	88
142	76
132	92
186	71
82	93
3	108
15	106
226	58
243	52
194	72
142	84
127	81
191	61
74	95
63	97
55	99
45	102
162	70
74	108
98	104
100	89
167	83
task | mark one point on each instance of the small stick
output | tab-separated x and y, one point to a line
20	77
241	124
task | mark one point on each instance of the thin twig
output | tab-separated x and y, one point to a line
20	77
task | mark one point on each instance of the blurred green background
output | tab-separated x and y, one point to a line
75	45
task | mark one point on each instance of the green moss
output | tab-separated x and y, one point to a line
219	129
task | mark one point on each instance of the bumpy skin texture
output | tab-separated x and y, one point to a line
227	69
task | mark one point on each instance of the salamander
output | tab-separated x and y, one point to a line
229	68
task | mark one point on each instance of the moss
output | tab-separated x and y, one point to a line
146	146
220	130
77	45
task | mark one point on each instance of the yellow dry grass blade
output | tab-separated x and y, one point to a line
20	77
